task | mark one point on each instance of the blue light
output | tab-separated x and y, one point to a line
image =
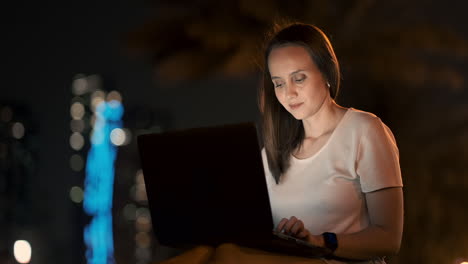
99	183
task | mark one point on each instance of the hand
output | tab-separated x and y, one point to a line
295	227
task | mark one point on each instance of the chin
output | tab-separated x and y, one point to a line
298	117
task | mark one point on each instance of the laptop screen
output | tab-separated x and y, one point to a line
206	185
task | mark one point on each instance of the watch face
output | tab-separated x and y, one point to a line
330	241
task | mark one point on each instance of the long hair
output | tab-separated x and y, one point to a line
282	133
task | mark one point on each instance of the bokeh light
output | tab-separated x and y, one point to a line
143	224
77	110
99	181
76	194
114	95
142	212
80	85
139	177
22	251
76	141
118	136
97	97
17	130
140	193
129	212
128	136
76	162
142	239
142	254
139	190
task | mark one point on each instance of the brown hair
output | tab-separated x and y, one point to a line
282	133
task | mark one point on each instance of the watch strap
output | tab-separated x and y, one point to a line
331	242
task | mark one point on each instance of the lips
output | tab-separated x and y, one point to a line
295	106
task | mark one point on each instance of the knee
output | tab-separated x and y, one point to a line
198	254
228	247
227	253
203	248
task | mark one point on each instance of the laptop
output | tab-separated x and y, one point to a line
207	186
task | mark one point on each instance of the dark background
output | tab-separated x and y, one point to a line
405	62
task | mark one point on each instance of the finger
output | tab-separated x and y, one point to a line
297	227
303	234
290	224
281	224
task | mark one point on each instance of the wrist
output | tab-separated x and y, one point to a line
330	241
316	240
320	241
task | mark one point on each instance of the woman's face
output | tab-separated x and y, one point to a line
299	84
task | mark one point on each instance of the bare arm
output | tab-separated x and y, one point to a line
381	238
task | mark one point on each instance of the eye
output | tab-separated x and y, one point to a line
278	85
299	79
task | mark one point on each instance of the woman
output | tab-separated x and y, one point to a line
333	173
331	169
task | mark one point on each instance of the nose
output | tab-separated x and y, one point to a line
291	91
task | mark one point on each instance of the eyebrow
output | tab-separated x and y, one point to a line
294	72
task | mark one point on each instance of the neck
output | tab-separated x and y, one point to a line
323	121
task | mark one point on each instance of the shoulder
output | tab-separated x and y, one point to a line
363	123
370	126
361	118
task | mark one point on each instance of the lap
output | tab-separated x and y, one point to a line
197	255
231	253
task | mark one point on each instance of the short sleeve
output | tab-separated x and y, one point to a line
377	163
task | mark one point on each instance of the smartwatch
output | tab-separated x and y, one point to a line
330	241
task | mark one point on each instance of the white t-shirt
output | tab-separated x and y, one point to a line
326	190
